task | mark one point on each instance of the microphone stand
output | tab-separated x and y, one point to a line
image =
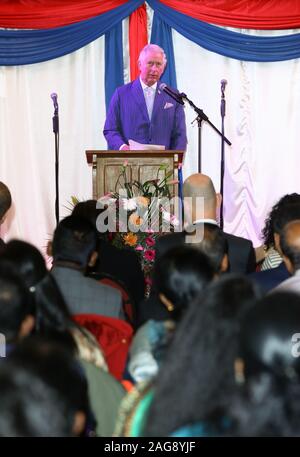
222	108
55	121
201	116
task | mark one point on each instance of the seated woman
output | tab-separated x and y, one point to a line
198	368
53	320
267	401
180	276
50	309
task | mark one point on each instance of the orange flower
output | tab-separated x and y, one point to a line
130	239
142	201
135	219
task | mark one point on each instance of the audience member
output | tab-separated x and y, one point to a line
59	370
74	248
272	229
198	189
16	309
199	363
180	276
285	212
122	265
197	368
266	401
290	246
213	244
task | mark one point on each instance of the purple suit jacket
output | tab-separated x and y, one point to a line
128	118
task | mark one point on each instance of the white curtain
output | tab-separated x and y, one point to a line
27	140
262	118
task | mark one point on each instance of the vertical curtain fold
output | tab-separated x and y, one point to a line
162	35
114	75
138	37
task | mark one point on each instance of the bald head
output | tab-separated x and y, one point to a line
199	185
290	244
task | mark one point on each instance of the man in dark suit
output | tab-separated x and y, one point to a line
142	111
121	264
5	204
201	203
74	248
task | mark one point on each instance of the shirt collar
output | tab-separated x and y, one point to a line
206	221
153	87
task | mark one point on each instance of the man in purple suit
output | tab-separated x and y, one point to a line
141	111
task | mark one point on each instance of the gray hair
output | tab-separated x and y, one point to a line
152	47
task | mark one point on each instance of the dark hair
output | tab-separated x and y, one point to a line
56	366
5	199
25	260
289	248
74	240
15	304
214	245
277	218
268	402
199	362
180	275
53	317
87	210
29	407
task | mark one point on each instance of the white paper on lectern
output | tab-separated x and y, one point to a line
135	146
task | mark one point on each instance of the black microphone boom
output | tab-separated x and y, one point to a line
175	95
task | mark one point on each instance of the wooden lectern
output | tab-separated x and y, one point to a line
142	166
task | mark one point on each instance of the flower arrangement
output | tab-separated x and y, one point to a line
138	213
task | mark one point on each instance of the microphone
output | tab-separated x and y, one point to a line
54	98
223	84
175	95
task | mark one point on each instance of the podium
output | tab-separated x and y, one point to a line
141	166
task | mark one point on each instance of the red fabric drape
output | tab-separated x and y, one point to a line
253	14
44	14
248	14
138	37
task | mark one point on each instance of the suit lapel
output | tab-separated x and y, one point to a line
138	95
158	100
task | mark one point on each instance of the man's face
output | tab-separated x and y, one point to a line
151	67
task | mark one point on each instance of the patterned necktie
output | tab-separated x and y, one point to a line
149	98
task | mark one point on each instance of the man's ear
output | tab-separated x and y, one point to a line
49	250
224	264
219	200
27	326
93	259
79	423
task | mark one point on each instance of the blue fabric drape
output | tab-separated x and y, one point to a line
114	75
162	35
230	44
19	47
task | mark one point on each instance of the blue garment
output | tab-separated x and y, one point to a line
268	279
201	429
128	118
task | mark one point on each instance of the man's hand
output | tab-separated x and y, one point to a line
125	147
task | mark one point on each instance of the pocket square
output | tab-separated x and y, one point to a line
168	105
